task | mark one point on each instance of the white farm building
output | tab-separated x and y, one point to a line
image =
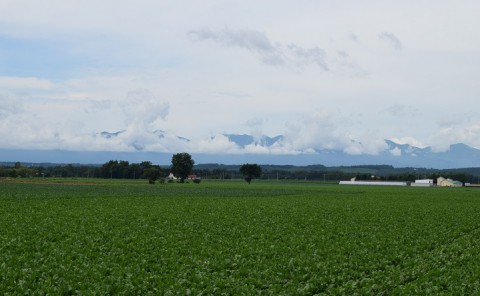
377	183
423	183
441	182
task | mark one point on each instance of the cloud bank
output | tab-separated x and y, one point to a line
325	75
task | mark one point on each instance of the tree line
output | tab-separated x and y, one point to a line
183	165
113	169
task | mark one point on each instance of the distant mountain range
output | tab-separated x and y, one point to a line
244	140
397	155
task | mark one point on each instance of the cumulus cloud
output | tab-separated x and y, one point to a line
370	144
270	53
255	124
327	131
391	39
318	131
142	109
469	135
142	105
39	122
216	144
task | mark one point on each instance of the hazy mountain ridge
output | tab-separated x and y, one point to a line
244	140
398	155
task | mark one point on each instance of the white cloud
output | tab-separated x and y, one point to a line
143	114
217	144
370	144
320	131
255	76
248	39
143	106
396	151
391	39
469	135
409	141
271	53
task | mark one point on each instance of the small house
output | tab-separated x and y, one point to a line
171	177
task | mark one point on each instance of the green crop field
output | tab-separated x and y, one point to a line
113	237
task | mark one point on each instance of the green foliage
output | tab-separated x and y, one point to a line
125	237
115	169
182	164
250	171
152	174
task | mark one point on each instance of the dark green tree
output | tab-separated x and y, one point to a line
250	171
182	164
152	174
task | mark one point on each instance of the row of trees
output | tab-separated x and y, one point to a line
18	170
183	165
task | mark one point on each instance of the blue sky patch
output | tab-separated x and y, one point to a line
37	58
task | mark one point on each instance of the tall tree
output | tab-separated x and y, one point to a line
182	164
250	171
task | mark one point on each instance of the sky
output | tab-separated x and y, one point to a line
324	74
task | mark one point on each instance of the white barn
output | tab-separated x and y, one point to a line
374	183
423	183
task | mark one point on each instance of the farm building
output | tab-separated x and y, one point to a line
442	182
171	177
374	183
423	183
